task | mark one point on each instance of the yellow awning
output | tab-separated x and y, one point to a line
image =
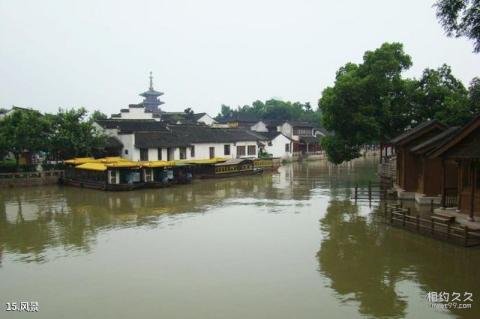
154	164
123	164
113	159
92	167
81	160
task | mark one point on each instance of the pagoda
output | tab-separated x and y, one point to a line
151	100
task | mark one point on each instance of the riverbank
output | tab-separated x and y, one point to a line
24	179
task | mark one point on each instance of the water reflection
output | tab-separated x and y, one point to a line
34	219
367	261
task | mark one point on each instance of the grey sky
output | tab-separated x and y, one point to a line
98	54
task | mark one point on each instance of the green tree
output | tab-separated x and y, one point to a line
23	131
461	18
224	112
72	135
97	115
368	102
474	96
438	94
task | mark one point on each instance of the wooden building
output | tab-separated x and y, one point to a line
463	148
418	176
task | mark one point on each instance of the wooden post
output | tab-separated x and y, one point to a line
466	235
356	192
472	191
444	183
403	220
408	211
431	206
401	203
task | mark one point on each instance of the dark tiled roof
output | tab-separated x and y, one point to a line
417	129
433	142
464	144
206	134
182	117
130	126
198	116
113	142
183	135
240	117
151	92
268	136
301	124
159	139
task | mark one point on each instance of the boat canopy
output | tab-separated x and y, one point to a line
92	167
81	160
113	159
155	164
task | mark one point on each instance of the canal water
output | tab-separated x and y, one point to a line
286	245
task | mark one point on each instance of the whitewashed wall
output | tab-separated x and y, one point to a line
207	119
137	113
259	127
277	149
287	130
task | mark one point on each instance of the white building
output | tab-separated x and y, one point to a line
151	140
277	144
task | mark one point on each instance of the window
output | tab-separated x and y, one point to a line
226	149
212	152
252	149
287	147
112	177
240	151
302	131
192	151
183	153
270	143
126	152
149	175
169	154
144	154
159	155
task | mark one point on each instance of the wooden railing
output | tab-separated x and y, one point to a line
436	226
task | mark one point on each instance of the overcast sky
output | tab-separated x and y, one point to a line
97	54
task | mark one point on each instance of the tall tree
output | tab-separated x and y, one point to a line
73	135
461	18
474	96
368	102
23	131
97	115
439	95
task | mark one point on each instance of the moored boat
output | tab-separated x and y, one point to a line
112	176
227	168
157	174
268	163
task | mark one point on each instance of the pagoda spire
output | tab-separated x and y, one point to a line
151	100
